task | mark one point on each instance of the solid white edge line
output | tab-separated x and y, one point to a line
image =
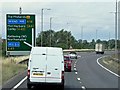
105	67
19	83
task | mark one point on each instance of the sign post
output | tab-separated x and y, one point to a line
20	28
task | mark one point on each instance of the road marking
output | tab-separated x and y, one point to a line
78	79
76	73
19	83
75	69
83	87
74	66
80	82
105	67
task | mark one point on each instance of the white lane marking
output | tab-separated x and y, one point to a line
78	79
80	82
19	83
75	69
105	67
83	87
74	66
76	73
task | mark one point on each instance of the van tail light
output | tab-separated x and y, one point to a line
62	75
28	73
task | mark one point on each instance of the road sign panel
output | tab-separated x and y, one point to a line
19	30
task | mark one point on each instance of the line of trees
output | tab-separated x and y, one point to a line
66	40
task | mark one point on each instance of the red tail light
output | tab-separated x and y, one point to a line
62	74
28	73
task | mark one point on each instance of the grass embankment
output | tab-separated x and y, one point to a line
10	67
110	63
0	67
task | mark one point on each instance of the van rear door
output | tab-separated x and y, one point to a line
54	65
38	65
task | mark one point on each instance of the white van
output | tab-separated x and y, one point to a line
46	66
99	48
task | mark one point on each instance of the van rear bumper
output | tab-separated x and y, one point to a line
43	83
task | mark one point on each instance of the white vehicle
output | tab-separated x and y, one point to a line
73	55
46	66
99	48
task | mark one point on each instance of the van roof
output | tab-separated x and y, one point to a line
47	50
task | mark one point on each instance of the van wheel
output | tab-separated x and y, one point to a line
61	87
29	86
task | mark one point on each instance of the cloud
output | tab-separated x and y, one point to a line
91	15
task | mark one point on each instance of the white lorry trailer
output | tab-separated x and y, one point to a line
99	48
46	66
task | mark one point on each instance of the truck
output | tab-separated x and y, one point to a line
99	48
45	67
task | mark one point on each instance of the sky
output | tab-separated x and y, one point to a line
91	16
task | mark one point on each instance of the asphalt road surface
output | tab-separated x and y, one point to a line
86	75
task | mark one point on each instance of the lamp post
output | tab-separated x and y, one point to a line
50	30
42	24
20	10
82	33
96	35
116	17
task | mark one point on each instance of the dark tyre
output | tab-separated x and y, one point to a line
62	85
29	86
76	57
69	70
102	52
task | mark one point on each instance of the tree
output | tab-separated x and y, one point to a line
92	44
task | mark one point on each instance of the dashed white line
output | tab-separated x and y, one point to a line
83	87
78	79
19	83
76	73
74	66
106	68
75	69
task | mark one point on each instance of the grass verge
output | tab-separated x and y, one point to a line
10	68
111	64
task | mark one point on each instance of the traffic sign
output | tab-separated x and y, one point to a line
20	28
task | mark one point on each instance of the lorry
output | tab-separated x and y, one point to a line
99	48
45	67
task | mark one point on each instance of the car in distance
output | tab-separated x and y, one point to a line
67	63
73	55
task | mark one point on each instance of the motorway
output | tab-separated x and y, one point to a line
86	75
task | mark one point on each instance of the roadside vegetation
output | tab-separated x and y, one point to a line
10	67
111	63
66	40
0	67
